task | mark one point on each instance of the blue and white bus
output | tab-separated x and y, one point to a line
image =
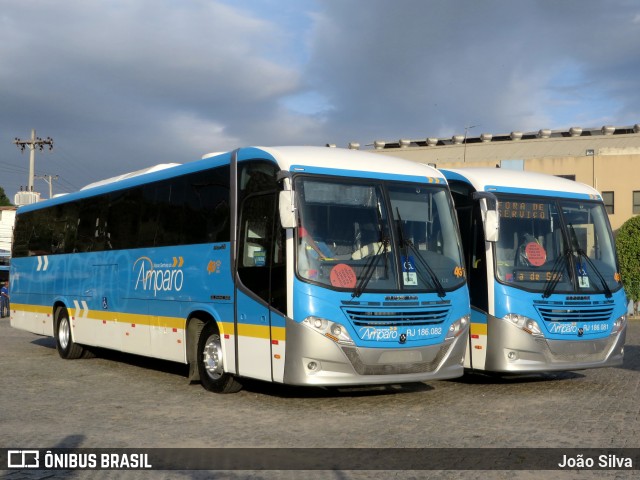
298	265
543	275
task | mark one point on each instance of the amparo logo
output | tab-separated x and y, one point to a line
159	277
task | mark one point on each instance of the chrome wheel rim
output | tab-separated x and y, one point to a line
212	357
64	333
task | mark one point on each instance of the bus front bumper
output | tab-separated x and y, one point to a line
510	349
312	359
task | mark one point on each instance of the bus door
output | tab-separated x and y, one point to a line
475	252
260	289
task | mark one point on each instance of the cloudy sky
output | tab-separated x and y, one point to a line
124	84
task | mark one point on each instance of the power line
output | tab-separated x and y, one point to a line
35	142
10	168
70	162
49	179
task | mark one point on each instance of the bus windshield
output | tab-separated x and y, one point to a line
555	246
368	236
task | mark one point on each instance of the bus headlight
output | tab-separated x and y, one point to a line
332	330
457	327
526	324
619	325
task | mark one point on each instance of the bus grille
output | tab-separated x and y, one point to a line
582	314
395	369
577	351
396	317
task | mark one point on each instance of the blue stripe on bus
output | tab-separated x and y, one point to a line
540	192
363	174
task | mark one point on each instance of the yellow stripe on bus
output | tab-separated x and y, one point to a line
247	330
119	317
256	331
21	307
478	328
261	331
138	319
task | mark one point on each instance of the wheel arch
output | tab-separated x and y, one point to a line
64	336
196	321
58	303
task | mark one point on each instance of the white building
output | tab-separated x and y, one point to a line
7	220
606	158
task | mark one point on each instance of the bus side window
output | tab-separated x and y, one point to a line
473	244
255	235
124	217
91	225
169	222
206	206
256	243
256	176
21	234
478	289
40	233
148	224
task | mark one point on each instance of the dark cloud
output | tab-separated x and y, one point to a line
121	85
415	68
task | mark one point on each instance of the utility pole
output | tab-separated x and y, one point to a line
35	142
466	129
49	179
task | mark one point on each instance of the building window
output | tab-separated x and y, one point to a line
636	202
607	198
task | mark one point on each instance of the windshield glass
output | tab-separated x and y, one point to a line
345	240
562	246
430	254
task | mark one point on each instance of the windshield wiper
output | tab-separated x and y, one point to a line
370	267
405	242
556	273
372	262
582	254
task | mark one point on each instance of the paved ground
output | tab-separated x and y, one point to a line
123	401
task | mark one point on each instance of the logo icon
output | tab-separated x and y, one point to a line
214	267
23	459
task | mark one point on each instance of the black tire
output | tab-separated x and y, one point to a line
89	352
65	345
211	363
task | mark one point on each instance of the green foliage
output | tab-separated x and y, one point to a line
628	245
4	200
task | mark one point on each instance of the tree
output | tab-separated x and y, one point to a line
4	200
628	245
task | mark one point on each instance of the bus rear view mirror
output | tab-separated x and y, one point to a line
491	226
490	216
287	209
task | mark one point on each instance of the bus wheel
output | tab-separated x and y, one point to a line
211	363
65	345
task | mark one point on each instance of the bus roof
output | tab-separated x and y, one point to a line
124	176
342	159
337	161
516	181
